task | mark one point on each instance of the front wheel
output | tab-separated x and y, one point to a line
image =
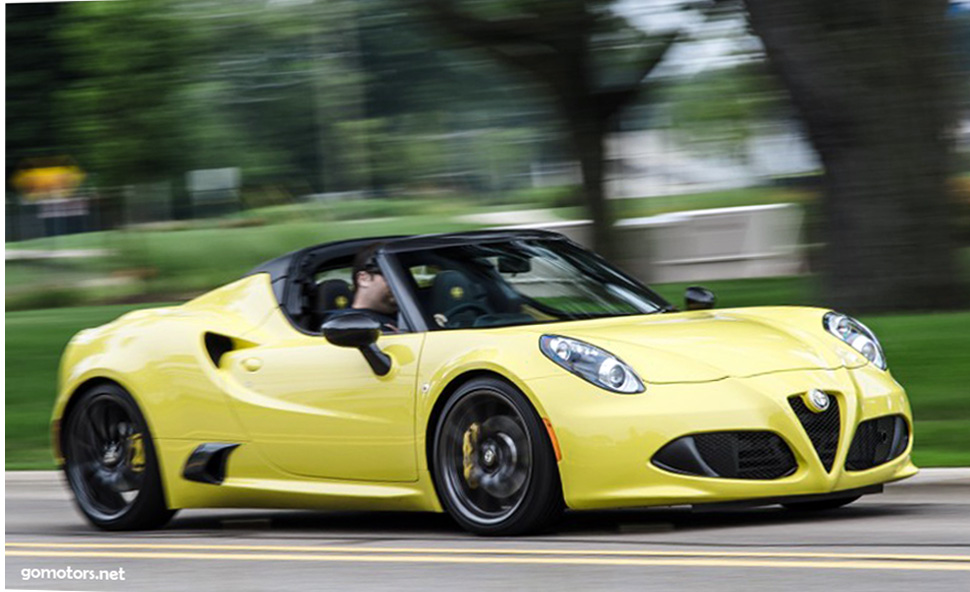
494	466
110	461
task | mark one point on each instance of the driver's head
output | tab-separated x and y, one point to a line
370	288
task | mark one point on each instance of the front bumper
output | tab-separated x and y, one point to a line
608	440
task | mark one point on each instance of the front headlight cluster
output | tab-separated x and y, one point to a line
857	335
591	363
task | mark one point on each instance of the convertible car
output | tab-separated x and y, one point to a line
524	376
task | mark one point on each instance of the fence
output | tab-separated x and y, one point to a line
722	243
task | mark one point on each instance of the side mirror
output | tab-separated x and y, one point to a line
359	330
698	298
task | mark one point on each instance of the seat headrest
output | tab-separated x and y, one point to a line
450	289
333	295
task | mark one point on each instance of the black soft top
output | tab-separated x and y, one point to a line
280	267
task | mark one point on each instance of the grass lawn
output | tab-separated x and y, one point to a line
927	354
35	340
196	259
193	256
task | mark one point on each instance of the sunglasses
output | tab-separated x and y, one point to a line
371	267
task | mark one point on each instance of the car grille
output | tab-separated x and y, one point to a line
877	441
822	428
732	455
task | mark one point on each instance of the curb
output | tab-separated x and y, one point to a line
936	477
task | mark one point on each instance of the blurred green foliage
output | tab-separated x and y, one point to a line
721	110
123	112
310	97
303	96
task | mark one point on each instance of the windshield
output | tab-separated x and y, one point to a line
520	282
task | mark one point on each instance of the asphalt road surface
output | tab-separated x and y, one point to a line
913	537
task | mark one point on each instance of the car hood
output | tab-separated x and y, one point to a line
702	346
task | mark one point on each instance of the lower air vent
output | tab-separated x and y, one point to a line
822	428
207	463
732	455
877	441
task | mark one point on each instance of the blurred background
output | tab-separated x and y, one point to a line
781	152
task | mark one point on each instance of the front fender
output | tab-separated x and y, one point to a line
449	355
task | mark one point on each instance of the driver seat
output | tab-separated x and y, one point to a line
330	295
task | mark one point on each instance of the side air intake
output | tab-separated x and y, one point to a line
216	346
207	463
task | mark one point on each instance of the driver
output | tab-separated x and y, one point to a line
372	295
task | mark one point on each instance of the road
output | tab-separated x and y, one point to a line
915	536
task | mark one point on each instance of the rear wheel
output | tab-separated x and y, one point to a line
110	461
819	506
494	466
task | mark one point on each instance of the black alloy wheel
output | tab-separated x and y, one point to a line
494	466
110	462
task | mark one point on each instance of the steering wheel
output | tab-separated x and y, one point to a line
450	315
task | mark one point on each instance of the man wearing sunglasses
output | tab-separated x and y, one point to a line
371	292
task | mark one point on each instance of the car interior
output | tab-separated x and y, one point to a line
451	298
324	285
453	290
473	296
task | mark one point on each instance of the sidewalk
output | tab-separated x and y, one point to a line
512	217
938	477
38	254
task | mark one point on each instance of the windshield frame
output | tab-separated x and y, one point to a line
571	251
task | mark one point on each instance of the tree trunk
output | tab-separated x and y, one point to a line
888	244
588	138
870	82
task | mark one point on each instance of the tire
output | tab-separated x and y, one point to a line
110	461
821	506
494	467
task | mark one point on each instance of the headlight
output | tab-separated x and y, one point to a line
857	335
591	363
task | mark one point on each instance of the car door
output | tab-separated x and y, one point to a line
318	410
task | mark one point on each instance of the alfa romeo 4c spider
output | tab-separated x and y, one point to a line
519	376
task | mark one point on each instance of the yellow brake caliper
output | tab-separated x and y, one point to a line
468	444
136	452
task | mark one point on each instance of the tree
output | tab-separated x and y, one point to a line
725	108
872	82
33	76
122	112
575	49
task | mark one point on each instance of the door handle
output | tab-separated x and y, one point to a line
252	364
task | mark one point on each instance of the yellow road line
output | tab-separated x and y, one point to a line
495	551
441	559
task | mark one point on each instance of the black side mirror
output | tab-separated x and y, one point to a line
359	330
698	298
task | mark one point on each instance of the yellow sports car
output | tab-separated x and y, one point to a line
499	376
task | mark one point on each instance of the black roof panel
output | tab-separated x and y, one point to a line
280	266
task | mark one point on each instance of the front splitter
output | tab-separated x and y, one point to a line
786	499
